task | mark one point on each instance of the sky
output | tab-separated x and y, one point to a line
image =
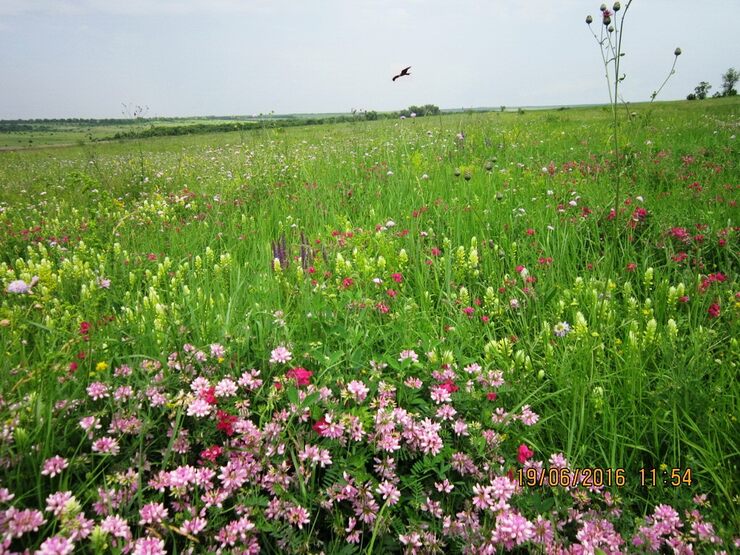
87	58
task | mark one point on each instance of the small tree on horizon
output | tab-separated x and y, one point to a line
729	79
701	90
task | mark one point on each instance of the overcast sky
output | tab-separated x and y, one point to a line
84	58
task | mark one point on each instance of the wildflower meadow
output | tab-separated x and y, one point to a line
428	335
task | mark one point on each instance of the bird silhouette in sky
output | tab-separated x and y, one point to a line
404	72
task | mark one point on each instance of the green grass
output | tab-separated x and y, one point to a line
611	394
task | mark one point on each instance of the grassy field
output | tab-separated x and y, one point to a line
427	335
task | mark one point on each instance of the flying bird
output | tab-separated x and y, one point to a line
404	72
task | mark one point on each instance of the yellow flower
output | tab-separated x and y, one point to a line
101	366
663	467
220	359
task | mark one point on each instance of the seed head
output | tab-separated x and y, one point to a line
603	7
677	52
610	28
607	19
617	6
589	19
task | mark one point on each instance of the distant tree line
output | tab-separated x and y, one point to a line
140	129
283	121
53	124
197	128
420	111
176	130
729	79
90	122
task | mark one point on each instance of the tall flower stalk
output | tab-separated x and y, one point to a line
610	45
676	54
609	40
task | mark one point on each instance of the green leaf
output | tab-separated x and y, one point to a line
292	394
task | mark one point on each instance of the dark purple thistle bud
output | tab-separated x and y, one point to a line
280	251
603	7
677	52
305	252
284	251
617	6
589	19
607	18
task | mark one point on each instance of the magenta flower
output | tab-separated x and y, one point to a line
390	492
297	516
152	513
524	453
106	446
194	526
90	424
54	466
149	546
528	418
199	408
413	383
217	350
116	526
22	522
408	354
358	390
300	375
98	390
714	310
56	502
512	529
56	545
226	388
280	355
